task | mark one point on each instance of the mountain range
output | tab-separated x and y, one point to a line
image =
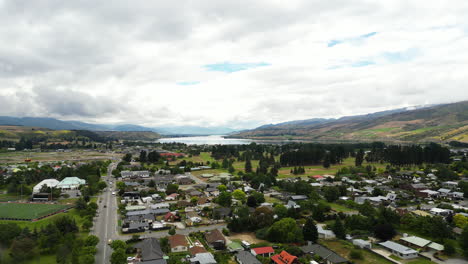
55	124
445	122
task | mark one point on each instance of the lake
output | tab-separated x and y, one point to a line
206	140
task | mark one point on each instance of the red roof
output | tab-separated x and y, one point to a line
169	215
283	258
263	250
317	177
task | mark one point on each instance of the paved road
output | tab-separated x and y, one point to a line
105	225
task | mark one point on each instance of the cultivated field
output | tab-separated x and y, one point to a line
28	211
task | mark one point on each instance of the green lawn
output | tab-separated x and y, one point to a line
344	248
26	211
420	261
340	208
43	259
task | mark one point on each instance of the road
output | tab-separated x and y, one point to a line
105	225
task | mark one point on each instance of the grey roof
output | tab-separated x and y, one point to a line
324	253
398	248
247	258
204	258
298	197
150	249
160	211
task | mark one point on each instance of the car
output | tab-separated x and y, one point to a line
113	193
130	258
109	241
105	206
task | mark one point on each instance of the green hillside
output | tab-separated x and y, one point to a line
438	123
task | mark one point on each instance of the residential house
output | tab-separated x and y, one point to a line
421	243
263	251
399	250
172	197
329	256
284	258
134	174
325	234
450	185
178	243
221	212
362	243
441	212
149	251
244	257
215	239
203	258
170	217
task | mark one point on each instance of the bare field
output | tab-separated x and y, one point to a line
20	156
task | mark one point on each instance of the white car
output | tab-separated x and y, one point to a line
113	193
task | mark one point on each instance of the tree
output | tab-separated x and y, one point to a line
143	156
222	188
151	184
91	241
172	188
251	201
464	241
281	211
248	166
66	224
22	249
449	248
332	193
224	199
118	257
8	231
239	195
326	161
102	185
460	220
384	231
310	230
359	158
80	204
127	157
121	185
262	217
339	229
172	231
285	231
118	244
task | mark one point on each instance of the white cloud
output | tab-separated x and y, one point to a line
126	61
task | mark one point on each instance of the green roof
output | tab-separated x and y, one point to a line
235	246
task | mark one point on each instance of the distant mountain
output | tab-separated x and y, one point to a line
425	123
194	130
55	124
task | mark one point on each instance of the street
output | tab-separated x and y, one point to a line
105	225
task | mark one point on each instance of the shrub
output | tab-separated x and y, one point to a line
355	254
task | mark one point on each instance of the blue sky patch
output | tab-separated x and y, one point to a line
401	56
234	67
188	83
335	42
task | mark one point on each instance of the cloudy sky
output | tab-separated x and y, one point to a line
228	63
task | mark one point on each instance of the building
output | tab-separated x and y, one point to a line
215	239
326	254
263	251
421	243
203	258
362	243
399	250
441	212
71	183
50	183
134	174
284	258
244	257
325	234
149	251
178	243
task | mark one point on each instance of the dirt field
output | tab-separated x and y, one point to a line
20	156
249	237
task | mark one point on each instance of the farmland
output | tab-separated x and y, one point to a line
28	211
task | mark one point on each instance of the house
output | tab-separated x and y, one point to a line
263	251
178	243
421	243
183	203
457	195
203	258
149	251
284	258
299	197
221	212
326	254
172	197
450	185
244	257
362	243
131	196
193	217
292	205
444	192
170	217
325	234
50	183
427	193
441	212
70	183
399	250
215	239
196	250
134	174
184	180
160	206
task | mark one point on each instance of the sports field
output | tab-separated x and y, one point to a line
28	211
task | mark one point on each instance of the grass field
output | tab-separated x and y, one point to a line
20	156
25	211
344	248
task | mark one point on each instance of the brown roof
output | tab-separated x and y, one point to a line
202	200
195	250
178	240
183	203
214	235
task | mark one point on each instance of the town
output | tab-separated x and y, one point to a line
257	203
